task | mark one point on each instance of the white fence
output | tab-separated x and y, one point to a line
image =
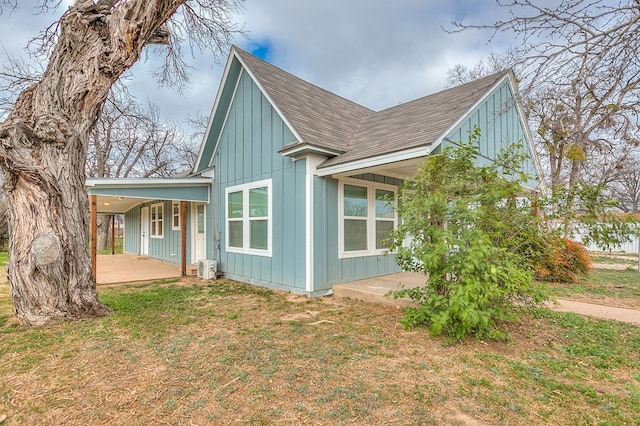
629	247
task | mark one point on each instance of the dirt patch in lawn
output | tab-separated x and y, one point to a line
225	353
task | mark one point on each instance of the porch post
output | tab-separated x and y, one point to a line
93	230
113	234
183	236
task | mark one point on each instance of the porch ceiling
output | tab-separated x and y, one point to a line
405	169
120	195
110	204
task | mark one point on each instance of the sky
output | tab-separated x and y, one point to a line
375	52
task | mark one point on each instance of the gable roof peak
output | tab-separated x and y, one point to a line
320	117
345	131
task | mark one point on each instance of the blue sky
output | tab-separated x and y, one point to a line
375	52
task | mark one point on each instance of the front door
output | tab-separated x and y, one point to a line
198	232
144	231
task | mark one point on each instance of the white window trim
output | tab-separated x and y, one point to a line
155	221
245	188
175	227
371	217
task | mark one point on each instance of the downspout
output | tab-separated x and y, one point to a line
214	222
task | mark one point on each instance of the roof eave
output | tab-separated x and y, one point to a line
297	149
377	161
216	102
146	182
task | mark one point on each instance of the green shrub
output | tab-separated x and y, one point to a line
466	227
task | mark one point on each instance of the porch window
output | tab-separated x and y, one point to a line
248	218
367	217
175	217
157	221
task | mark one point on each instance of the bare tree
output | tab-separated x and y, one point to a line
626	189
495	62
579	63
45	137
132	140
551	37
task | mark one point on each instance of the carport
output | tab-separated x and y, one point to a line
117	196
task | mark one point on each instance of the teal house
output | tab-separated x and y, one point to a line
294	186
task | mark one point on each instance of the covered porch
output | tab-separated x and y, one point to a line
118	196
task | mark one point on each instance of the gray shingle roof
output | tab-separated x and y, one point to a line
320	117
420	122
326	120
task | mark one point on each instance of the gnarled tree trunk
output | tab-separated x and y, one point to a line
49	267
104	225
43	144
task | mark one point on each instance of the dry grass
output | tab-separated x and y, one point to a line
613	281
198	353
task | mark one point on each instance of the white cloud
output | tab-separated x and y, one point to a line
378	53
375	52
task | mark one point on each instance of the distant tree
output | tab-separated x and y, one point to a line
45	137
578	62
132	140
583	135
493	63
626	189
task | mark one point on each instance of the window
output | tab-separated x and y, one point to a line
385	217
175	217
157	221
248	218
367	217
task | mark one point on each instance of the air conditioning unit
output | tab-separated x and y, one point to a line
207	269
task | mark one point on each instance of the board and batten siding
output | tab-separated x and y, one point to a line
500	125
167	248
328	268
248	152
132	231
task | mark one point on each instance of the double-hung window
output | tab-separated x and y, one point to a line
175	216
367	217
248	218
157	221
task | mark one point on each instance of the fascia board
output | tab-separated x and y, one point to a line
145	182
376	161
225	75
266	95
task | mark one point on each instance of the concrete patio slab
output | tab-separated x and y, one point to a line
125	268
374	290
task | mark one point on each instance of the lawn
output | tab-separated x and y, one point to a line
117	248
193	352
613	287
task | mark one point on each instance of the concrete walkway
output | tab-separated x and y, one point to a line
374	290
597	311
